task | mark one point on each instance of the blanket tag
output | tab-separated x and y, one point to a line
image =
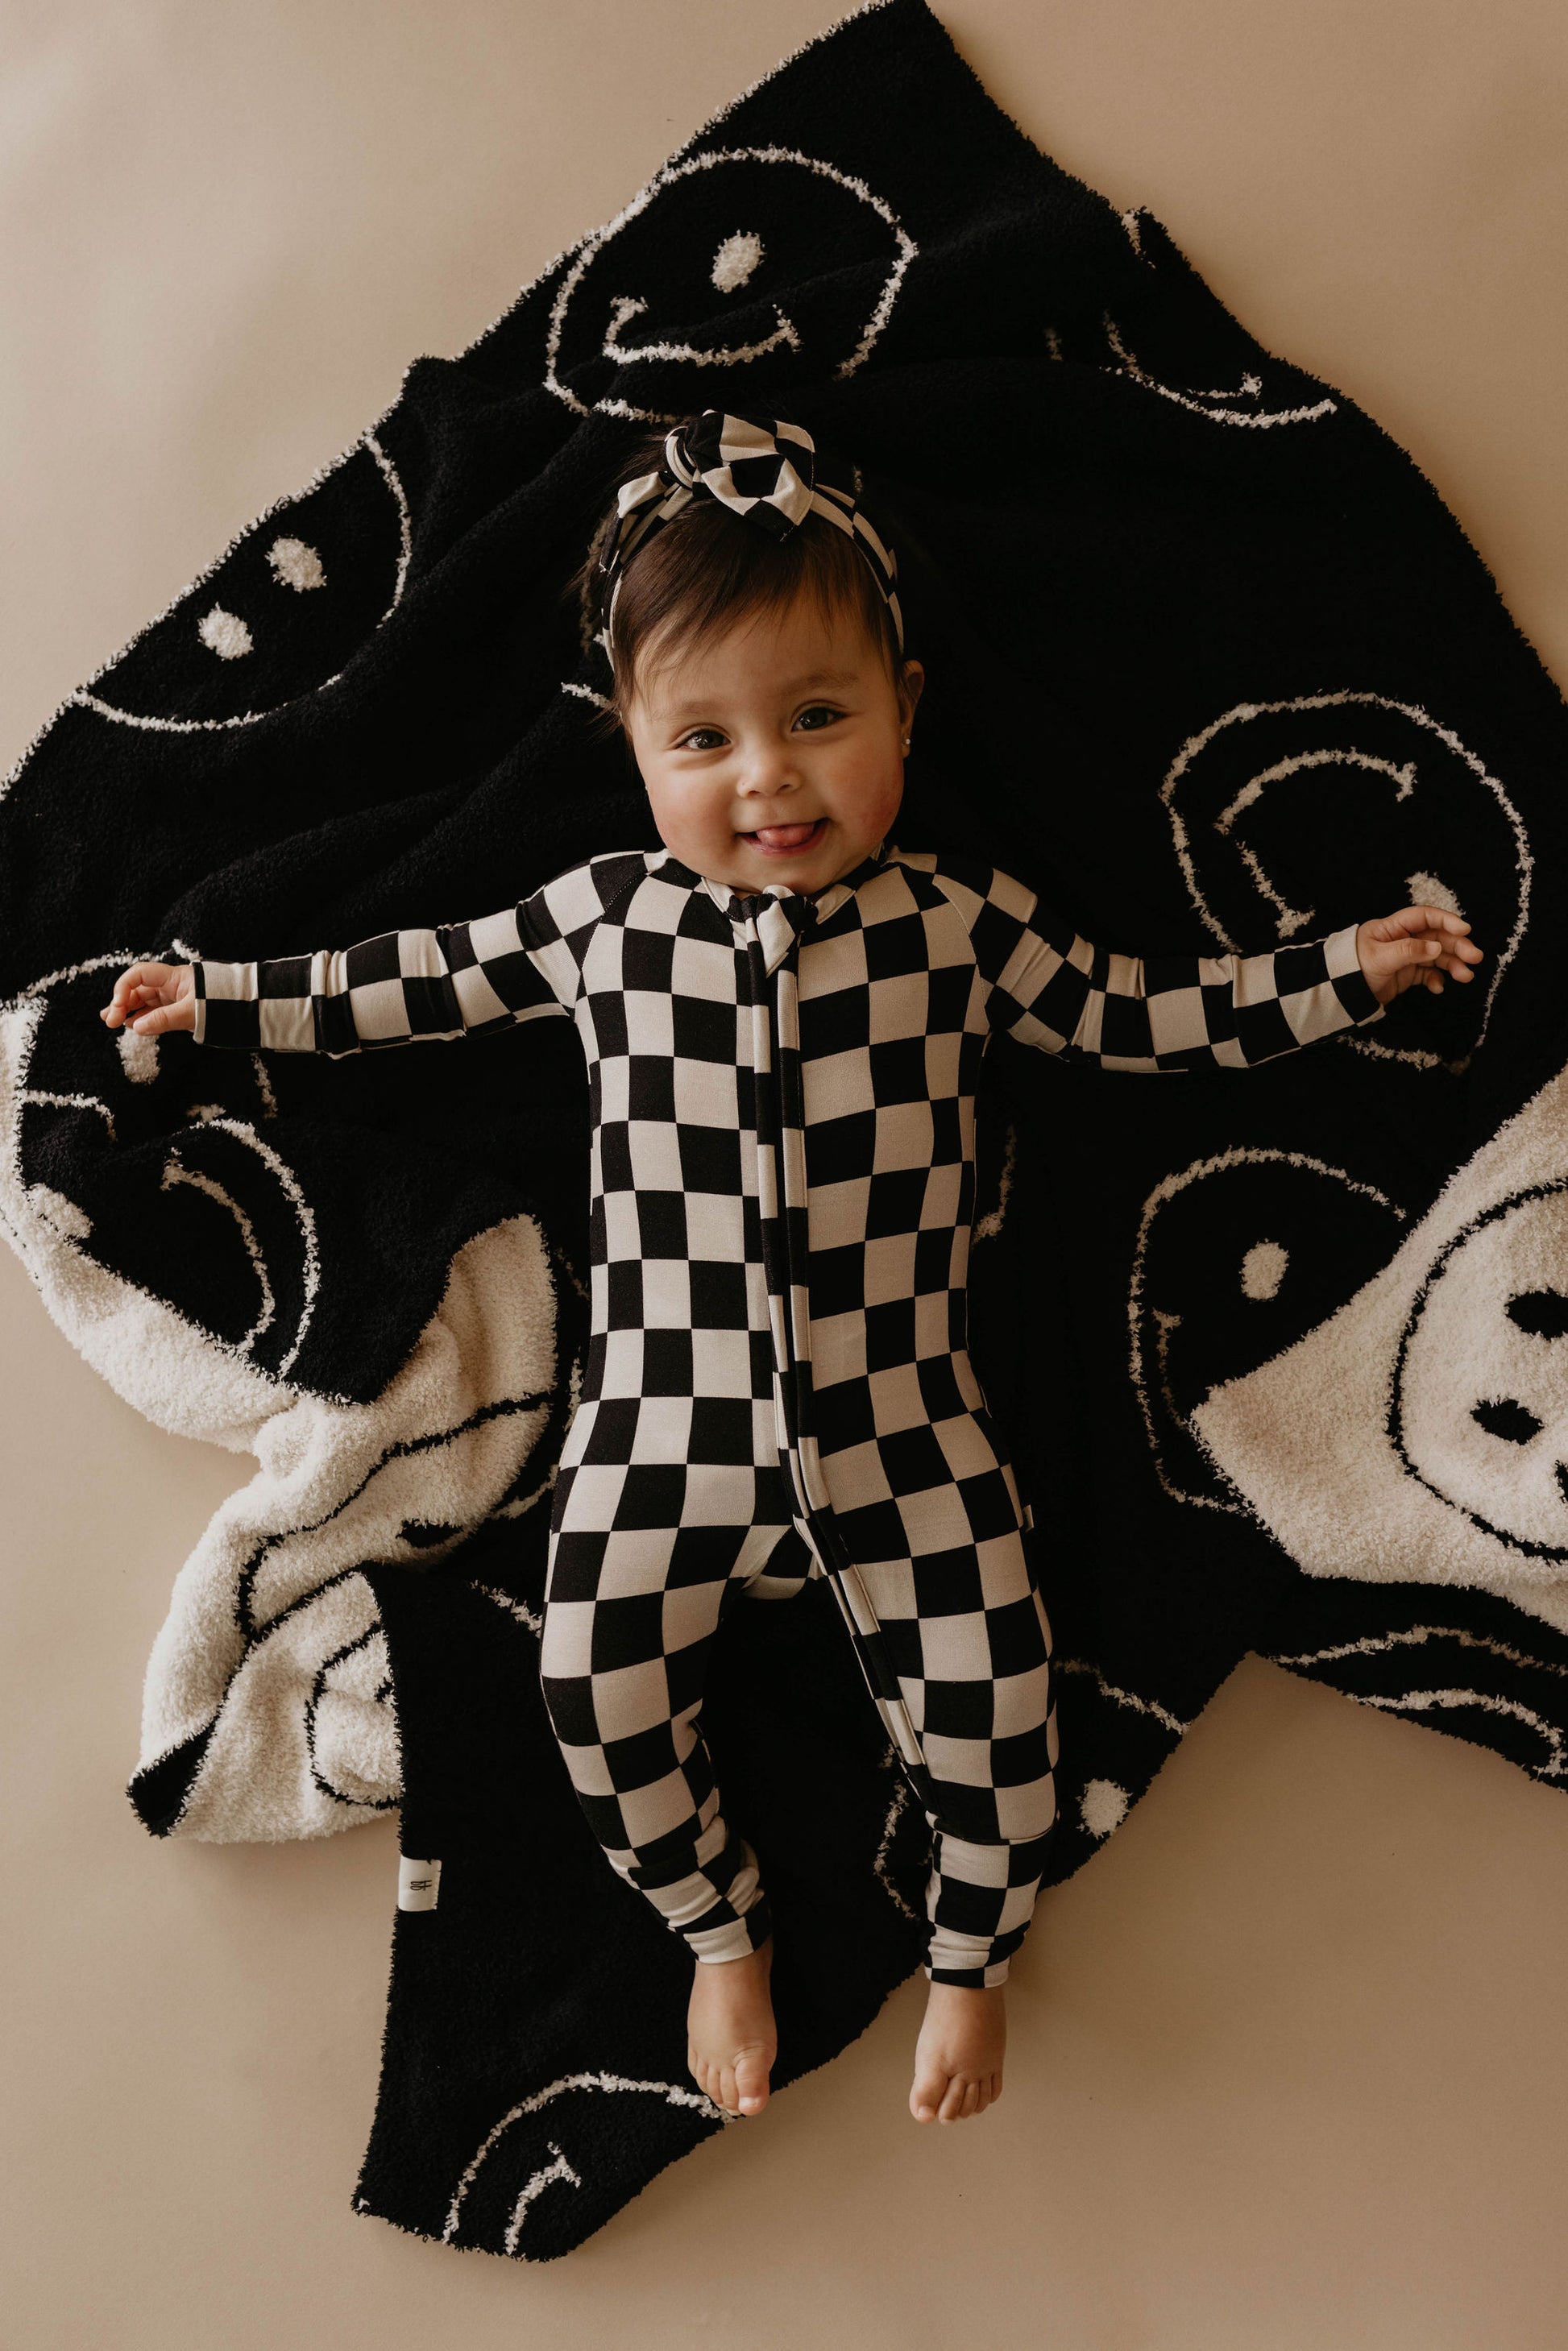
418	1884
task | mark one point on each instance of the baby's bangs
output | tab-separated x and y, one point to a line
709	571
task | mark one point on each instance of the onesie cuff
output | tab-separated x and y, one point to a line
714	1947
1350	983
971	1979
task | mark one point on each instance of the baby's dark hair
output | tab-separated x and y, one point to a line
706	570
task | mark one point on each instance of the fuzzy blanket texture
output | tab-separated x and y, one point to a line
1282	1356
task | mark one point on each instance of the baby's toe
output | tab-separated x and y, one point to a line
751	2083
709	2079
959	2102
926	2095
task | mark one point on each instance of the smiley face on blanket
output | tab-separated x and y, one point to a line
112	1155
278	615
1480	1407
716	262
267	1710
1266	802
1421	1433
1237	1258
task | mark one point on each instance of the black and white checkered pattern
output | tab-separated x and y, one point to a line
782	1094
763	469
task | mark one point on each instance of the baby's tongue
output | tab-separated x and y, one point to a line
785	836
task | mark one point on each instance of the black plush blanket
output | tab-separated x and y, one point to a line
1283	1354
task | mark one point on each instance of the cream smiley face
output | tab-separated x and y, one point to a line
1480	1384
1420	1435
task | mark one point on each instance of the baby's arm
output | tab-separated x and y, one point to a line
1055	990
400	988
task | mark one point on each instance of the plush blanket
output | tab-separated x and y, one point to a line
1282	1354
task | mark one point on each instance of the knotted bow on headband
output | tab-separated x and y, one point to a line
761	467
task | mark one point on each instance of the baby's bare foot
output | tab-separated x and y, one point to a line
731	2038
959	2056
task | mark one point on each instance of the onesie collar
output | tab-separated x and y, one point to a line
777	917
801	911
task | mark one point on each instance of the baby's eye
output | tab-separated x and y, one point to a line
819	710
690	741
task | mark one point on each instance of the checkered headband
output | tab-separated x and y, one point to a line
761	467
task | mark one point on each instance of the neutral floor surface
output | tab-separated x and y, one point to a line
1290	2061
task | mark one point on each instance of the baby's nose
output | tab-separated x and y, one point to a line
768	773
769	779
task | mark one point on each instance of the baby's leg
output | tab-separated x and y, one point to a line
963	1638
630	1617
981	1894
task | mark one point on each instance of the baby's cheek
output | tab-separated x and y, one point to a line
689	823
866	805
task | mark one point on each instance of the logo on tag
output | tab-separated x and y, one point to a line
418	1884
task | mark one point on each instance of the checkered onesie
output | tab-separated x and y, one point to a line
782	1095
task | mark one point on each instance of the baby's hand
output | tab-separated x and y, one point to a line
153	997
1416	945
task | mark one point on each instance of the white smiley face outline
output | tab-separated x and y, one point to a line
83	698
1413	1380
1186	784
627	307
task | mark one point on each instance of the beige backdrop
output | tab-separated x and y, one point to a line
1290	2062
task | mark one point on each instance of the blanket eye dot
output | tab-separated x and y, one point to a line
138	1056
296	565
1506	1417
1543	1313
736	260
1263	1269
1103	1805
225	633
1428	890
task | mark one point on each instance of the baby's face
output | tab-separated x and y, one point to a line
774	755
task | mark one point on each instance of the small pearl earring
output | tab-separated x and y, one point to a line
906	742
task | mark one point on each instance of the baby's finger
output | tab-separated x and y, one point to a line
1434	918
160	1016
1455	948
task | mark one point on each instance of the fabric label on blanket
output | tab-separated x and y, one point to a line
418	1884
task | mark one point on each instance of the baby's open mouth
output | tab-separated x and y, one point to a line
787	840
